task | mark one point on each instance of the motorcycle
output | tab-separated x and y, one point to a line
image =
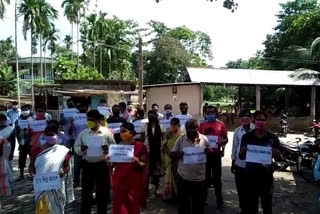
284	125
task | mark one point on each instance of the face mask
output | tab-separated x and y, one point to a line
126	136
25	113
211	118
261	125
91	124
168	111
103	123
40	115
51	139
245	120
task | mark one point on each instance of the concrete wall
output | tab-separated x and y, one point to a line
191	94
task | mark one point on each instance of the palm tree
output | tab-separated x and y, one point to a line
72	9
50	42
7	80
2	7
37	15
68	41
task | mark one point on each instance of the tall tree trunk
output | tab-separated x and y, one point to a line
110	60
94	55
52	73
71	40
45	63
32	75
41	65
16	47
78	21
100	59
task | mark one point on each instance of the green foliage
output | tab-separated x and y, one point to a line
7	50
220	93
7	80
3	7
257	62
67	70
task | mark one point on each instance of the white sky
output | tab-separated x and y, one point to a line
234	35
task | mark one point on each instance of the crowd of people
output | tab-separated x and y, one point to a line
187	153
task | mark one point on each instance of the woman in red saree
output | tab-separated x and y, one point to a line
130	179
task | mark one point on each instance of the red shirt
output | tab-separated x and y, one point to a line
216	128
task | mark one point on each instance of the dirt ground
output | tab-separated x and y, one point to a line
292	195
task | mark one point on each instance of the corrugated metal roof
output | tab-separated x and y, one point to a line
247	77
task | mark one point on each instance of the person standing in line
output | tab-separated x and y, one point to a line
116	118
14	113
140	115
168	114
130	179
8	134
190	177
4	110
259	176
66	123
23	140
124	112
92	144
152	134
184	109
219	109
238	166
155	107
169	191
229	113
217	134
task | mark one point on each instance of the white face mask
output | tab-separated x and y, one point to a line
25	113
168	111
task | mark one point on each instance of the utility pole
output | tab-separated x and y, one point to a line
140	64
16	47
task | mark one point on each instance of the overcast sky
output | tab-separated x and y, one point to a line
234	35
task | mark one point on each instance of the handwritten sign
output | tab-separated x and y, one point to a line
137	126
121	153
183	118
259	154
194	155
115	127
94	144
47	181
105	111
23	124
213	141
38	125
165	123
80	119
69	112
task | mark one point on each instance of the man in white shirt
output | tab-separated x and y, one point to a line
239	166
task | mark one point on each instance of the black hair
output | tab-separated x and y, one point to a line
175	121
129	127
213	107
189	122
129	103
140	112
51	128
25	107
258	112
183	104
53	123
155	113
3	117
15	103
123	104
4	107
245	112
154	104
41	106
94	114
102	117
167	105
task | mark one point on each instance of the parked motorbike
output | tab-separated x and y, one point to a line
284	125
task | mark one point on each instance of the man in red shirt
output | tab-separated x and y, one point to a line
217	134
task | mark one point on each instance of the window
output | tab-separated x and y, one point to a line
22	67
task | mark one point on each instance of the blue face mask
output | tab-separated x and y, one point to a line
211	118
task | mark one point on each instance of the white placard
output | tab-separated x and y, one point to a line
47	181
259	154
38	125
94	144
23	124
80	119
213	141
183	118
137	126
194	155
121	153
165	123
105	111
69	112
115	127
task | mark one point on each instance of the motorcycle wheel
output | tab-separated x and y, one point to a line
305	167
